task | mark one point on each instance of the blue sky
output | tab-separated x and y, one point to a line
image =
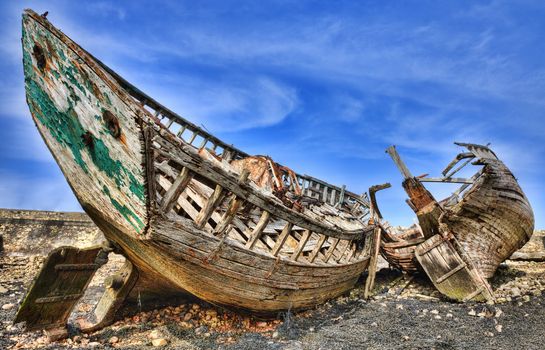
322	87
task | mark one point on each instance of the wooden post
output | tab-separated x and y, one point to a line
372	269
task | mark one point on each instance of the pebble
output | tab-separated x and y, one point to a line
515	291
3	290
188	316
275	334
399	306
472	313
8	306
489	334
405	337
498	313
499	328
435	312
449	315
374	324
94	344
526	298
113	340
154	334
159	342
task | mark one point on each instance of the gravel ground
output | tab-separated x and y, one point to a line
405	312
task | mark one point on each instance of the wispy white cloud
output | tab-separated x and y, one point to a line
30	192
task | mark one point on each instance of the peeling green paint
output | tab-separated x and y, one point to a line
125	212
66	128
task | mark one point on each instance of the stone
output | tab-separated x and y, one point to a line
526	298
188	316
159	342
94	344
515	291
155	334
8	306
3	290
113	340
200	330
435	312
472	313
499	328
275	334
498	313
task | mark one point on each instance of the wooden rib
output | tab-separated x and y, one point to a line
344	250
352	252
317	248
331	249
301	246
170	197
282	239
233	207
258	229
211	204
228	215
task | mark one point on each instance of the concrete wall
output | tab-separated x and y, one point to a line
37	232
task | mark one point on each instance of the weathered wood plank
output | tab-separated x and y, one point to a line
170	197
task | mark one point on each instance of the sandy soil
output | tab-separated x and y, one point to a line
406	312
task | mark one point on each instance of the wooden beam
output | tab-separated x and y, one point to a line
258	229
170	197
398	162
282	238
331	249
233	207
456	180
206	212
302	242
317	248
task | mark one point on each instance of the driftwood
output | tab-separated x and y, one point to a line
536	256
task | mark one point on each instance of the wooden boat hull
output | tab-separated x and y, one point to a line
107	145
468	235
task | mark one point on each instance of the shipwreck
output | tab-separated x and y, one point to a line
194	215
